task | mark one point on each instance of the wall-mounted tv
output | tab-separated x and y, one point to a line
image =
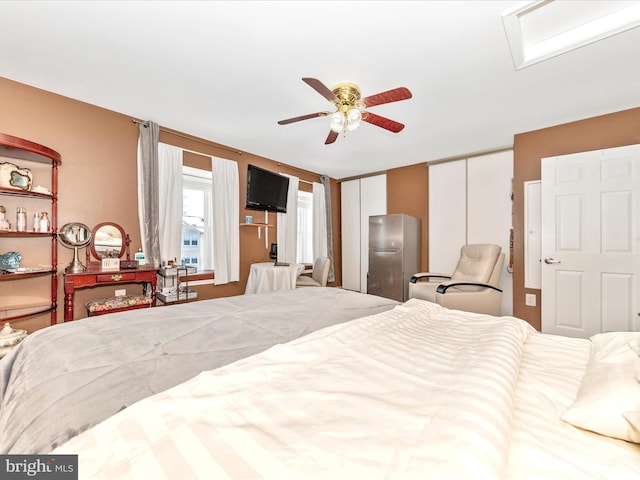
266	190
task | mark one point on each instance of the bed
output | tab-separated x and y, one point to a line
64	379
414	391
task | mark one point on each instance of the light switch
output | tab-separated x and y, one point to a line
530	299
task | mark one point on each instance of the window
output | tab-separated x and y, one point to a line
305	227
197	246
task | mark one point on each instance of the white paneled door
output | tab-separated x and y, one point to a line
590	242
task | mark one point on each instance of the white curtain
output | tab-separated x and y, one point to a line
208	249
226	221
288	225
170	211
319	221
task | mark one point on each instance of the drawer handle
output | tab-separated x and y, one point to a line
116	278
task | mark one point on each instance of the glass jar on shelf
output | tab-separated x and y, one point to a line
36	222
45	223
21	219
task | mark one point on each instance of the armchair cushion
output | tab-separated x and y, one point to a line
476	262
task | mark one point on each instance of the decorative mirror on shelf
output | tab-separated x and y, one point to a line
109	243
75	235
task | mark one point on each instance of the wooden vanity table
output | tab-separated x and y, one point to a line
107	240
94	276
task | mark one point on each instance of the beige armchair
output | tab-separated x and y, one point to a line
472	287
319	275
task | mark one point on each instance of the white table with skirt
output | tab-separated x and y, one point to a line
266	277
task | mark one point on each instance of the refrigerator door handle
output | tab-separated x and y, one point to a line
385	250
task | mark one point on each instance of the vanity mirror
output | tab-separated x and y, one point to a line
75	235
109	240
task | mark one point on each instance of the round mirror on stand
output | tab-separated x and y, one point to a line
108	241
75	235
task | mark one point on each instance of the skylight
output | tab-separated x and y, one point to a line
541	29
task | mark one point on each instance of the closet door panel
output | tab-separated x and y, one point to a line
350	210
489	209
447	214
373	201
489	198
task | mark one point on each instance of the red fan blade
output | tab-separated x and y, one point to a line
389	96
331	138
382	122
321	88
303	117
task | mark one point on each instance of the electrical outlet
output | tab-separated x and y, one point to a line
121	293
530	299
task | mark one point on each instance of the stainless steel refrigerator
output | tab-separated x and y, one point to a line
394	254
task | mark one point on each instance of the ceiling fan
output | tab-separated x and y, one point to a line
351	109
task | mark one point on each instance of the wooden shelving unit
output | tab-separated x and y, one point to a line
14	148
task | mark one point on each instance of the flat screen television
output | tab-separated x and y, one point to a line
266	190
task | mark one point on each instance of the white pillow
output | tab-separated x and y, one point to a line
634	420
608	400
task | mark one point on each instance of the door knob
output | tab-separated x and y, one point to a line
550	261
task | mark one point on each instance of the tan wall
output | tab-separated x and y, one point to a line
407	193
407	187
97	180
606	131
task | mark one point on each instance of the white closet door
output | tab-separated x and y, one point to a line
447	214
489	210
470	202
373	201
350	211
360	198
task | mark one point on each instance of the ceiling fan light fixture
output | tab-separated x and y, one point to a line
337	121
351	109
354	116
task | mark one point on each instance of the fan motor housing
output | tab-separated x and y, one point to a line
348	93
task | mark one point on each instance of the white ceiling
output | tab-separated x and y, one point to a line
228	71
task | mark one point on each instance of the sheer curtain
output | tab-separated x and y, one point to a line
226	224
319	221
170	201
326	182
148	194
288	225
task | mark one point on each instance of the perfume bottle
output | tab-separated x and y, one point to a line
21	219
36	222
45	224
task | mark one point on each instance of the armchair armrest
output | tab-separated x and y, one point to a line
443	287
418	276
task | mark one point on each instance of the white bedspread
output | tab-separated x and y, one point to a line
418	392
544	446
